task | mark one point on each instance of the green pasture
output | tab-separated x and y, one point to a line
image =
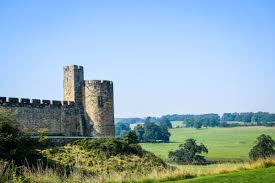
224	144
263	175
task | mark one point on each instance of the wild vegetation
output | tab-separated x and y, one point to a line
24	159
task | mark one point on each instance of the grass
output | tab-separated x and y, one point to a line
264	175
52	176
224	144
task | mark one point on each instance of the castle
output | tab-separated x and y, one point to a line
87	109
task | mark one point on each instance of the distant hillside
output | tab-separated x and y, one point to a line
128	120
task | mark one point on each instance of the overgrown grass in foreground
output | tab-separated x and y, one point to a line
156	175
224	144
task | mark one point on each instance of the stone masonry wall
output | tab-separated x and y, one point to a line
73	84
50	117
99	107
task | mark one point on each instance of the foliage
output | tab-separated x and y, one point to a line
121	128
164	121
197	124
206	120
105	155
260	117
152	133
110	146
139	130
264	148
188	153
14	144
130	137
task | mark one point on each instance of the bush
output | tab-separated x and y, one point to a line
110	146
15	145
130	137
263	149
188	153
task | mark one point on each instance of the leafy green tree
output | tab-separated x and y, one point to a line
188	153
131	137
165	135
139	130
189	122
197	124
121	128
154	133
165	122
263	149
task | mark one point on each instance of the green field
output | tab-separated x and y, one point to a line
264	175
224	144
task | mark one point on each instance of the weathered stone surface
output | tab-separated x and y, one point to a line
87	109
99	107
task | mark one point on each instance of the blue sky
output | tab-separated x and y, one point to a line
164	56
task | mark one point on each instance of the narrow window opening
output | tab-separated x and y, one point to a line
100	101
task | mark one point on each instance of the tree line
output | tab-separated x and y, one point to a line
151	130
249	117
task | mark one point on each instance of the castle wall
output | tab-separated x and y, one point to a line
49	117
90	114
99	106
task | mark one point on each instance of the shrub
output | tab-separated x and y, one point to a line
15	145
110	146
188	153
263	149
130	137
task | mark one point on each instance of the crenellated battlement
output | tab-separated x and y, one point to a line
87	109
98	84
74	67
11	101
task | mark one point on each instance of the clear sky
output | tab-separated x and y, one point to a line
164	56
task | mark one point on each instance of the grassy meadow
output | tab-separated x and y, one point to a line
224	144
265	175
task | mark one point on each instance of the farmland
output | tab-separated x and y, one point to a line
224	144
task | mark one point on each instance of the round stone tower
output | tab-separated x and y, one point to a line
98	101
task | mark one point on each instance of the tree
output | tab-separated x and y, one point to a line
151	132
263	149
165	122
188	153
131	137
197	124
14	144
121	128
139	130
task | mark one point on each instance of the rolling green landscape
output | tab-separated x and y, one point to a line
224	144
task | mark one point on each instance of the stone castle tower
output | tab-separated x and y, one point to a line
93	98
87	109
